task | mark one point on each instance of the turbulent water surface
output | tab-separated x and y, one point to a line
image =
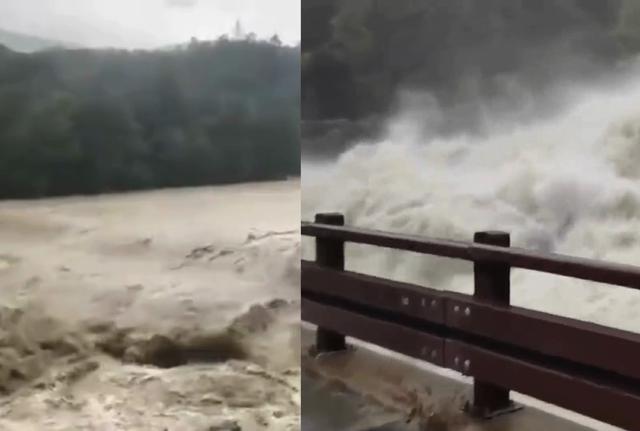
167	310
564	181
567	182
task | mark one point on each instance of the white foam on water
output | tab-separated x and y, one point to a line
568	184
213	271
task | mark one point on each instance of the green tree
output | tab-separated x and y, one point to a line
91	121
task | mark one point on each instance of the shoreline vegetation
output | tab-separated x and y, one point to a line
89	121
357	56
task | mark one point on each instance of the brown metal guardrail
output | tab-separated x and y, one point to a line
584	367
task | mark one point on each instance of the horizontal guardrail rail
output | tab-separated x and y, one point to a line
575	267
585	367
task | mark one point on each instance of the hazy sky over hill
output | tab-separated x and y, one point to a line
148	23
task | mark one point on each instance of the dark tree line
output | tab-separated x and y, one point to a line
357	54
91	121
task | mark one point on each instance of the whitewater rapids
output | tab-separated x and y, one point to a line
568	182
165	310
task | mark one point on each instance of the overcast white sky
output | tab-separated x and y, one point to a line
148	23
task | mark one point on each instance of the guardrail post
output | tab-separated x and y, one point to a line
491	284
330	253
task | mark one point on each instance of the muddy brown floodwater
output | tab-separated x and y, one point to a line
171	310
330	406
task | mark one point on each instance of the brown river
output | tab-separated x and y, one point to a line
170	310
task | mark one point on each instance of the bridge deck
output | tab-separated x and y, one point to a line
365	370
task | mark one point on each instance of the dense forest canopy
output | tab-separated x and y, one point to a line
357	54
89	121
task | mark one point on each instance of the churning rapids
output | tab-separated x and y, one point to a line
173	310
567	183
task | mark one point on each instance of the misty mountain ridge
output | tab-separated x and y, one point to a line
25	43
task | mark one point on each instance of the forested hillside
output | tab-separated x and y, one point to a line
90	121
357	54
